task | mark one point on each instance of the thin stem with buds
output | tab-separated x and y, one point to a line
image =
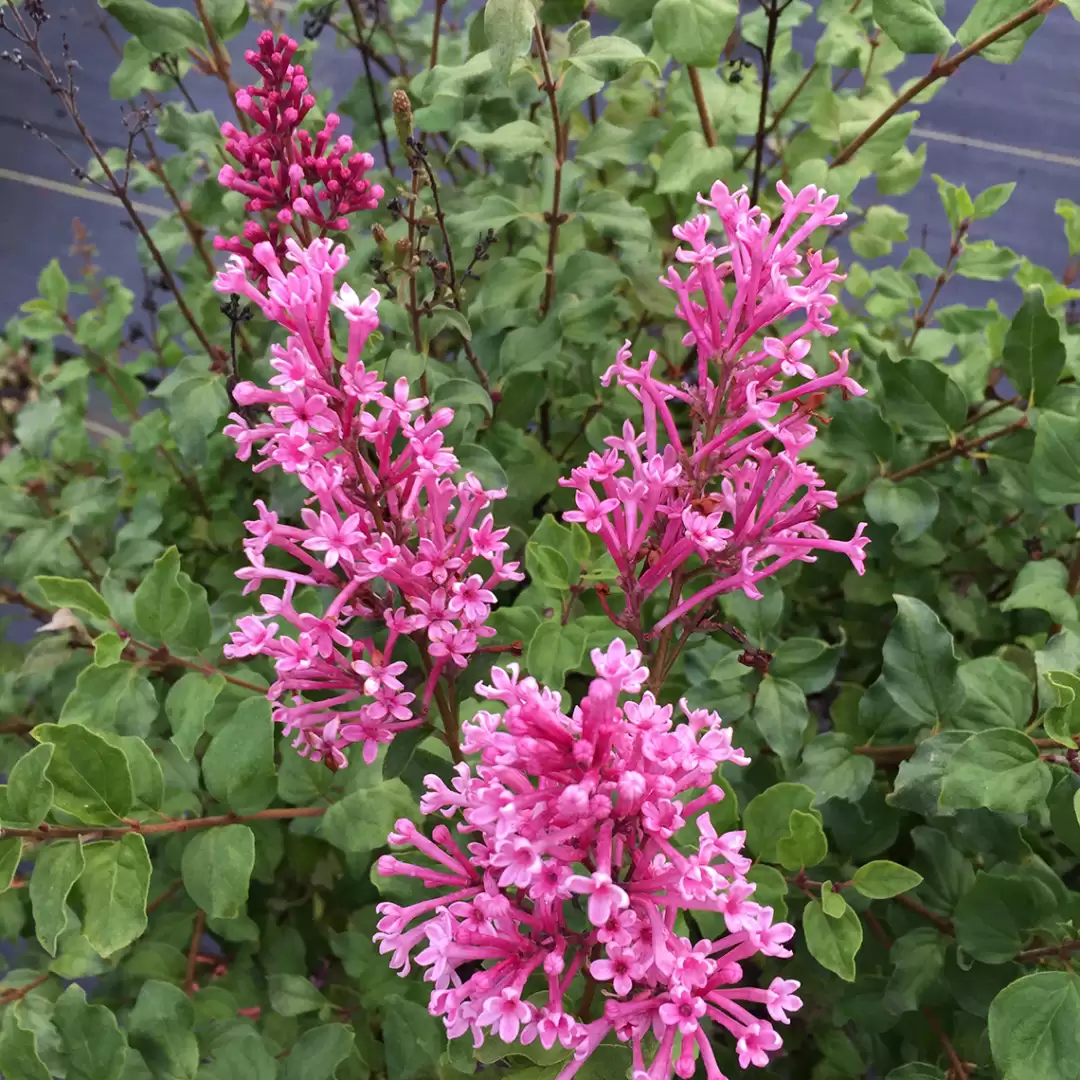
554	217
707	128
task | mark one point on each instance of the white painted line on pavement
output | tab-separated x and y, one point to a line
1000	148
79	192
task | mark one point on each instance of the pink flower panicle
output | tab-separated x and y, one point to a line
734	495
290	177
388	535
583	838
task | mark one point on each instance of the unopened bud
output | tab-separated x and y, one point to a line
402	250
378	234
402	109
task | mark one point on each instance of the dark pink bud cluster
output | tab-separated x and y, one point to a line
583	840
290	177
391	534
713	479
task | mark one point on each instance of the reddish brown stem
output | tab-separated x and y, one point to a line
707	128
554	217
940	70
193	951
47	832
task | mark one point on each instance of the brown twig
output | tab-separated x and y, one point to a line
554	218
1048	952
959	448
435	33
193	951
780	113
17	993
956	245
707	128
222	65
166	896
46	832
940	69
772	13
957	1067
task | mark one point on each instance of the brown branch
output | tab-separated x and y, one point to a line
222	65
46	832
940	70
959	448
780	113
17	993
772	13
955	247
455	300
942	924
435	33
193	951
554	218
707	128
1048	952
166	896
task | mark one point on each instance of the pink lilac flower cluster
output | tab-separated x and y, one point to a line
584	837
713	476
291	178
389	535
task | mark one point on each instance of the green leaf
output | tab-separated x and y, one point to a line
1034	1026
94	1045
809	663
318	1052
519	138
118	699
767	817
114	887
919	780
29	790
170	608
1043	585
238	766
52	287
987	15
921	398
413	1040
160	29
1054	470
918	959
916	1070
1062	722
547	567
458	393
913	25
694	32
689	165
832	903
75	594
1033	355
999	769
554	650
834	772
508	26
1069	212
833	943
217	866
781	715
11	853
955	200
294	995
91	777
806	844
19	1056
985	261
990	201
996	694
919	664
56	869
243	1057
227	17
362	820
608	58
911	505
187	706
882	879
991	917
108	648
160	1028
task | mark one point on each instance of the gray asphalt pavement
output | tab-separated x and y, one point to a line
989	124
